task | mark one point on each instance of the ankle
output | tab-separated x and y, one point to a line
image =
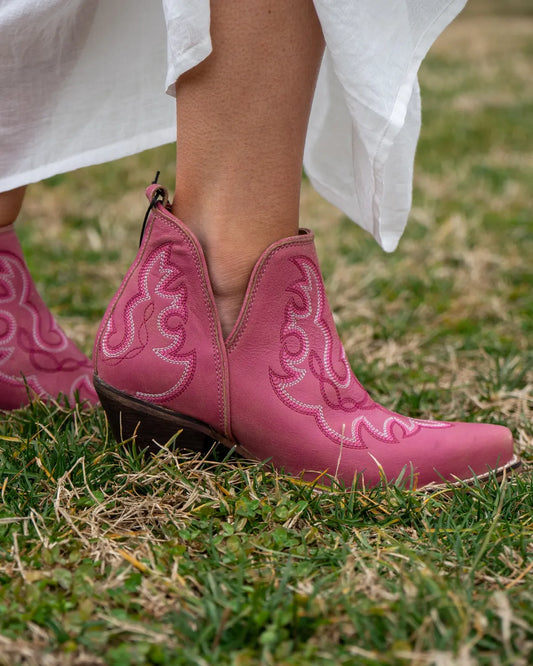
229	279
10	204
228	308
232	240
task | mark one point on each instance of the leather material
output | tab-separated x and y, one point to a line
310	413
36	357
160	339
280	386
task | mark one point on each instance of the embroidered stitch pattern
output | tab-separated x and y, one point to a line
171	290
41	339
313	368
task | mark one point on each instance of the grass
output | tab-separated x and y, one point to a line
181	561
106	558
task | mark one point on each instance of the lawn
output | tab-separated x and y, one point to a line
109	558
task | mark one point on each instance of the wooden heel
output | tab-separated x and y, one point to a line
150	426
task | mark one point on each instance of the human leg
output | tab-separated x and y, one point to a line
175	350
10	205
241	123
36	358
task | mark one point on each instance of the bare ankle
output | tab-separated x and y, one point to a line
233	236
228	308
229	280
10	204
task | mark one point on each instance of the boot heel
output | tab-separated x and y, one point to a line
150	426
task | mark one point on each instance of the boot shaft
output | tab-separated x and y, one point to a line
160	333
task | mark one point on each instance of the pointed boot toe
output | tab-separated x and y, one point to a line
453	452
470	450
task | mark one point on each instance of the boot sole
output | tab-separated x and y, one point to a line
152	426
497	474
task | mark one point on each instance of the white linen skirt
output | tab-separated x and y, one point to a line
84	82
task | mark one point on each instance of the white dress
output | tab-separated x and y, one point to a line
84	81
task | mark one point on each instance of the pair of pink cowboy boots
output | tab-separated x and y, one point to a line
278	387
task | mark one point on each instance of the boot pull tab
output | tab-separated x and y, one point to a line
155	194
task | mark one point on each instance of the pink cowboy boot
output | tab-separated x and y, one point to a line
279	387
36	358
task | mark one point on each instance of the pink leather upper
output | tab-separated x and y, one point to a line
160	340
35	354
285	351
280	386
